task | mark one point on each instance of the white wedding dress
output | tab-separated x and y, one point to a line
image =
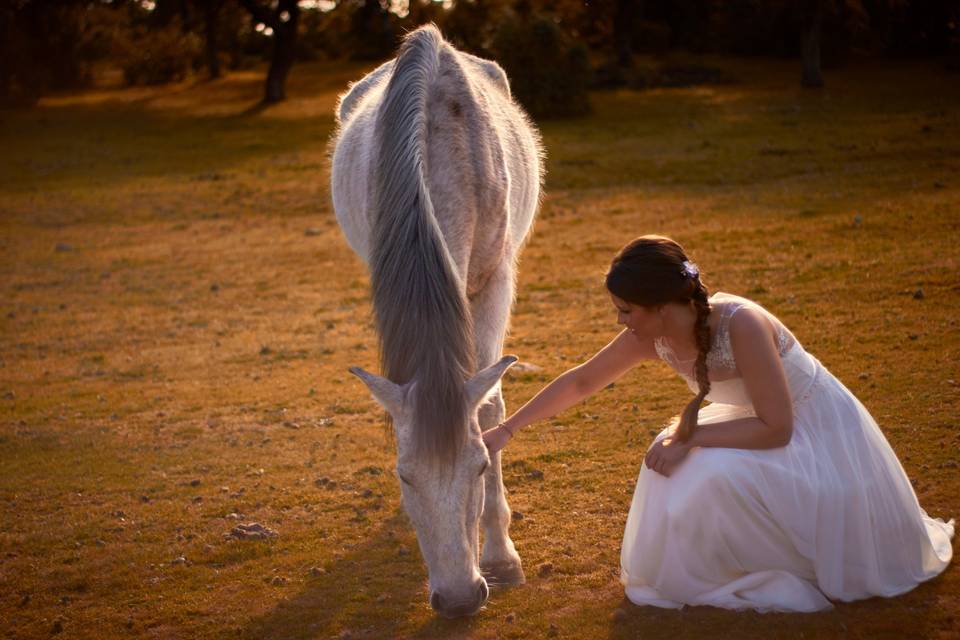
830	516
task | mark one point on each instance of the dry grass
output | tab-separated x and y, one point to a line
174	349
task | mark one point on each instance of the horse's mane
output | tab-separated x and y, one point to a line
422	315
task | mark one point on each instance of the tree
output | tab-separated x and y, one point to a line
211	27
282	20
623	24
812	16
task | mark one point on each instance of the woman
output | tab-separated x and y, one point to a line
782	494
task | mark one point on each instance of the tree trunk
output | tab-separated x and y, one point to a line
211	25
810	44
283	20
623	21
284	50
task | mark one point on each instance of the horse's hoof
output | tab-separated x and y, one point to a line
503	574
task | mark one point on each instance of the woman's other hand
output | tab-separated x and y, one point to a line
666	455
496	438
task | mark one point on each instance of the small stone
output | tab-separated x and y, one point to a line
214	287
403	551
912	336
312	231
278	581
63	247
144	498
25	600
251	531
366	493
316	572
9	395
857	220
57	626
864	376
517	515
197	499
918	294
179	560
100	543
232	516
195	483
291	425
510	618
552	631
545	569
535	474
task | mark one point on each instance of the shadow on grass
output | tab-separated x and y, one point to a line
910	615
371	592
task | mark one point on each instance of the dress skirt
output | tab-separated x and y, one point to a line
830	516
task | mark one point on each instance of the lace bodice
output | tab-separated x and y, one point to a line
721	362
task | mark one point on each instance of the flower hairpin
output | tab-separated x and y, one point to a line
690	269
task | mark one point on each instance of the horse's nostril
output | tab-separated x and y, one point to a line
436	601
482	591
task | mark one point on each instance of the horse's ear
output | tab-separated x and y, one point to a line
388	394
480	385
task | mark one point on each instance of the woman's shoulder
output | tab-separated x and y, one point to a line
745	320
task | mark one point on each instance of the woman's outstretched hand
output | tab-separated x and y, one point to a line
666	455
496	438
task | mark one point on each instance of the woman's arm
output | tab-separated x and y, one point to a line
755	349
574	385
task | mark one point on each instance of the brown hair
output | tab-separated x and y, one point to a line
650	272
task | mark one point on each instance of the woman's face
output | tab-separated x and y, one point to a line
643	322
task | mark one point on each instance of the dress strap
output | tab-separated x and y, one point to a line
721	353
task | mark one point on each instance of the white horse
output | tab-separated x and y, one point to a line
436	181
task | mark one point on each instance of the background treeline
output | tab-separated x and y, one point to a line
553	51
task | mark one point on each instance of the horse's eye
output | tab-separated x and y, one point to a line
484	467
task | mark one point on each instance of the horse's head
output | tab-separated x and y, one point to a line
444	501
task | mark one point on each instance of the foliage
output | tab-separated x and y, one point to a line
549	72
159	55
41	49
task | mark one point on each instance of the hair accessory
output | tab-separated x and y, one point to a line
690	269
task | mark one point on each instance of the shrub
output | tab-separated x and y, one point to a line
549	74
155	56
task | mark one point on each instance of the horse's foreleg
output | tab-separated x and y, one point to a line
499	561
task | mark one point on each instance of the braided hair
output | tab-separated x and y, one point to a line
652	271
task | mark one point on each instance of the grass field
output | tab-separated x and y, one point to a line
179	310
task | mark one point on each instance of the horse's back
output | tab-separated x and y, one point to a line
482	165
